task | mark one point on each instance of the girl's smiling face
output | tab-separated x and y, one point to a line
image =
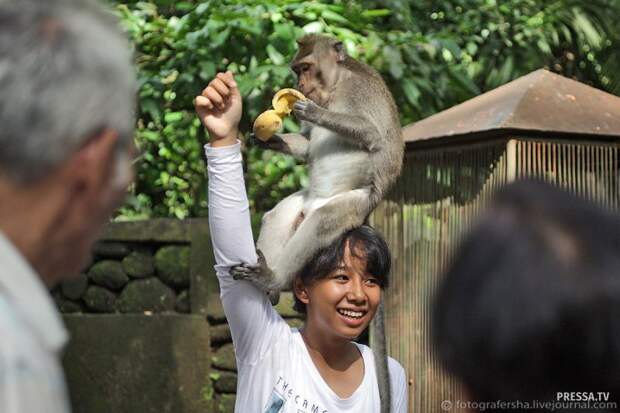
344	301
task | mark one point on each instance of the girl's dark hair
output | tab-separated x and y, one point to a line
364	243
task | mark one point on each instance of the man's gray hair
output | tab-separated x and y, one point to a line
65	75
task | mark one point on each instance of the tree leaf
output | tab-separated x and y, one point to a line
334	17
412	93
377	13
276	57
172	117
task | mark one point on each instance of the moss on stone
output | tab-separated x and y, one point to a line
108	273
139	265
146	295
224	358
226	403
99	300
75	287
183	304
227	383
172	264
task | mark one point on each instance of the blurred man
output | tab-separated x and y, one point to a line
66	119
529	309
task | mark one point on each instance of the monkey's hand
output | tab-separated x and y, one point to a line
289	143
307	110
275	143
259	274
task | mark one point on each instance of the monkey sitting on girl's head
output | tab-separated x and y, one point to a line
352	141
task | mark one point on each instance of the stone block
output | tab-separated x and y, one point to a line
138	363
68	307
225	382
224	358
57	296
146	295
182	304
152	230
74	288
220	334
226	403
108	273
215	311
99	300
172	264
139	265
114	250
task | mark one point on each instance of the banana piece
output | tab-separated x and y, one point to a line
270	121
266	124
284	100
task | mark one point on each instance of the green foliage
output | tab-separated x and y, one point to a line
432	54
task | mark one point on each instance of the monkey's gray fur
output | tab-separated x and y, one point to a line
352	141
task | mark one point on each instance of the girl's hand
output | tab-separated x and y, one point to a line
219	109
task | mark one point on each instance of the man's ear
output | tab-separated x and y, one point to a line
91	165
300	291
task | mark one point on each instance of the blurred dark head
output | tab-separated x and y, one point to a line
530	304
363	242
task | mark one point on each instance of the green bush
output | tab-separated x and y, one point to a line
432	54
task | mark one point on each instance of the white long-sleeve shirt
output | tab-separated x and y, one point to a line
32	336
275	371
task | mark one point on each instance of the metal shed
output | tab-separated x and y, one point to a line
540	125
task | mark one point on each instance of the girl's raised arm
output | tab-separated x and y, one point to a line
252	320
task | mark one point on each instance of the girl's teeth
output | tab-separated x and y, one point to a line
352	314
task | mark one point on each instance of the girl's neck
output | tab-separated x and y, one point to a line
334	351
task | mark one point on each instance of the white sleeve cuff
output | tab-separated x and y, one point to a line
223	154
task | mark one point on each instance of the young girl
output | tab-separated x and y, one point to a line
317	369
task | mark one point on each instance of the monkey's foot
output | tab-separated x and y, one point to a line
258	274
245	271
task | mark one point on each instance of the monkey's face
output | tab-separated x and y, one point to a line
343	303
313	79
306	72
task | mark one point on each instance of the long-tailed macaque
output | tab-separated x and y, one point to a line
352	141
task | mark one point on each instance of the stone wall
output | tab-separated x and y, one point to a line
144	267
148	330
130	278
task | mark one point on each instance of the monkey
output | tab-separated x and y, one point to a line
352	141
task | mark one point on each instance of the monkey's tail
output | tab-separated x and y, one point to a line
379	346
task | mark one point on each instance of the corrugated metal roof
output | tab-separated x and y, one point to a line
540	101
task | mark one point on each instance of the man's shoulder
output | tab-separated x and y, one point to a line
16	337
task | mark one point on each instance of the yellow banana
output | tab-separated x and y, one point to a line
270	121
